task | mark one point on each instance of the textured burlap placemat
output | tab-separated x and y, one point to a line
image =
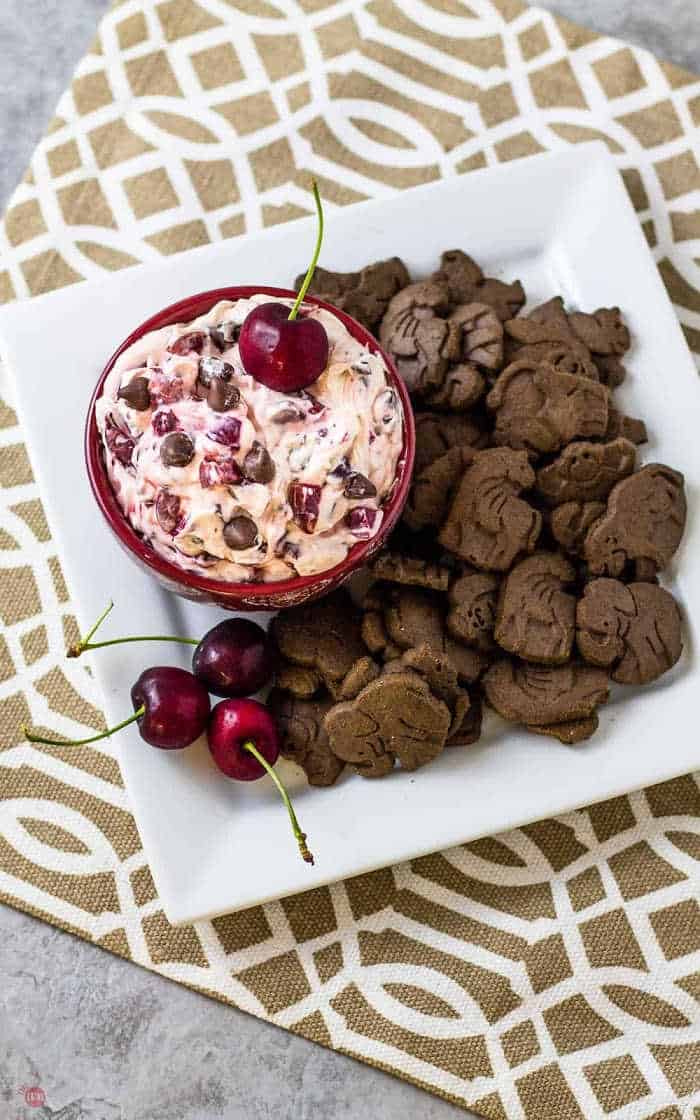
553	972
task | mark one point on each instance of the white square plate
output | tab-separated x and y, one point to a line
562	223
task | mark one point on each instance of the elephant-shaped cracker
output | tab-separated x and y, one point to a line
634	630
396	717
541	410
644	521
536	616
585	471
366	294
567	357
489	524
418	336
303	735
544	694
471	617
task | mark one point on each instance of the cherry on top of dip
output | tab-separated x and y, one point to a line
225	476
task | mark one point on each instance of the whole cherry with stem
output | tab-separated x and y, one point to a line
244	743
278	349
234	658
171	710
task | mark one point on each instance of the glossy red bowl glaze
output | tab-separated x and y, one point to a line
244	596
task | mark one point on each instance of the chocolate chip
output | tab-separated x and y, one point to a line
222	397
240	532
209	368
358	486
176	450
136	394
341	469
224	335
287	415
257	465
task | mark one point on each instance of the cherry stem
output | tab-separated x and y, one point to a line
296	829
84	644
32	738
312	267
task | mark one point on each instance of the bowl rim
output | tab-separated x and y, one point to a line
183	311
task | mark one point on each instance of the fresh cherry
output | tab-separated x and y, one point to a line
174	707
278	349
244	743
234	658
171	709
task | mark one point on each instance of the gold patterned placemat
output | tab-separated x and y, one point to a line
552	973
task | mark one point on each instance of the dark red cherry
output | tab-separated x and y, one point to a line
171	708
282	353
164	421
218	472
234	658
176	707
244	743
278	349
234	723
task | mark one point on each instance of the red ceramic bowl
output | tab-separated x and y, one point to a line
243	596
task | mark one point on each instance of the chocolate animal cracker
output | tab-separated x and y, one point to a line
414	618
536	615
412	571
303	735
471	617
488	523
644	520
395	718
431	490
366	294
539	409
570	522
570	732
586	472
416	333
437	433
462	386
634	630
541	695
479	336
324	636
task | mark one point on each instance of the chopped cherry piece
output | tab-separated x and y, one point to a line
227	432
168	512
186	343
218	472
164	421
360	521
120	443
166	388
305	500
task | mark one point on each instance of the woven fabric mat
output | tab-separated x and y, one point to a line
553	972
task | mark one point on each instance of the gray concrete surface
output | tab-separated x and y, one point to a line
106	1040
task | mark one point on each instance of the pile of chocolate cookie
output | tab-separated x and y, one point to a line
524	572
